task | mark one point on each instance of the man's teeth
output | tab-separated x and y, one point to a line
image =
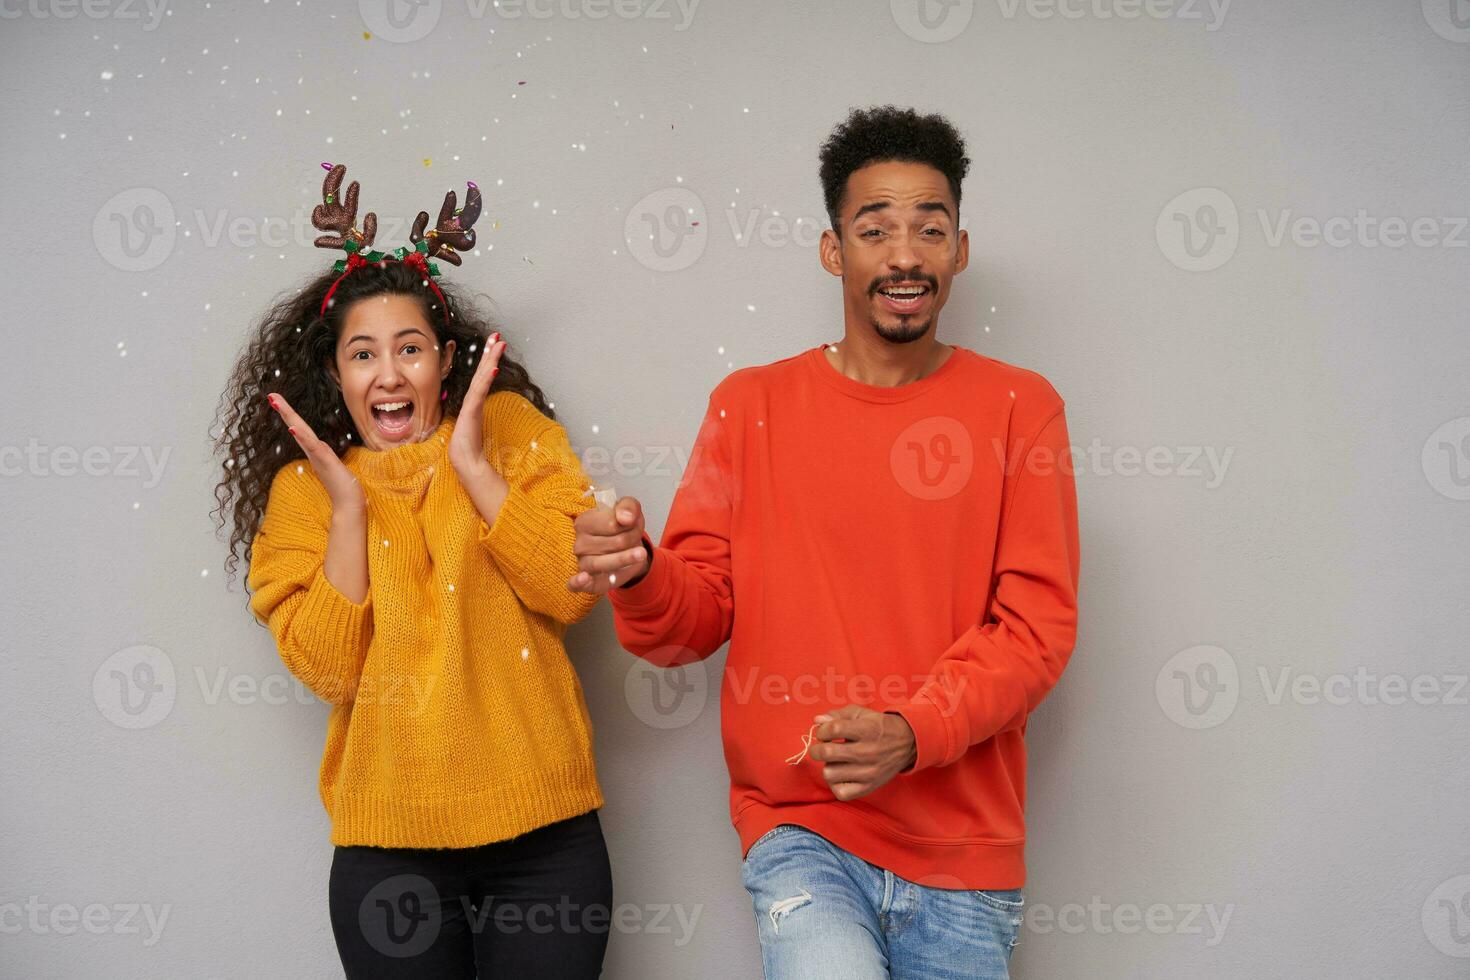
390	406
905	292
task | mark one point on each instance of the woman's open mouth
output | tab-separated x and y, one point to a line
393	419
904	299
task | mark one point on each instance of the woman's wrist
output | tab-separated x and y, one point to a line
349	518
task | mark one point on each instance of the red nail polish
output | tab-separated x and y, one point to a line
291	430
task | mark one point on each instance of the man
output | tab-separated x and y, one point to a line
897	518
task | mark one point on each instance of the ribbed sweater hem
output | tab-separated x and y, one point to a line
964	862
489	814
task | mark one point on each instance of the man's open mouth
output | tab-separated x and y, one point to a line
393	418
904	298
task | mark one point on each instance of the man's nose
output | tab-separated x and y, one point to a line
902	257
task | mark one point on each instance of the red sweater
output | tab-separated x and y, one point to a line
911	549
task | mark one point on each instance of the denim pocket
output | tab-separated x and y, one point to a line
1002	899
775	831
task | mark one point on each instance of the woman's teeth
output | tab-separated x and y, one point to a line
392	418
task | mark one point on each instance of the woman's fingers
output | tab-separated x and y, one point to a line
341	485
317	452
486	370
467	444
295	424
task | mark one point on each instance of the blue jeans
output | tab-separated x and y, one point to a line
824	913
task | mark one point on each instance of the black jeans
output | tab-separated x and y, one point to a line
538	905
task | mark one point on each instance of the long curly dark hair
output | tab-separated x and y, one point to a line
289	353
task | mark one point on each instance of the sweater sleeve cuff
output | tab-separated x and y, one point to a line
650	593
931	733
331	620
519	531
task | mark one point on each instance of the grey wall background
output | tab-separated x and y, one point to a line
1252	767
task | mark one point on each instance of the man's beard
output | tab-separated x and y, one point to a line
905	332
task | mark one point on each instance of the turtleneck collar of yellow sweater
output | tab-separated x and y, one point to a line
403	460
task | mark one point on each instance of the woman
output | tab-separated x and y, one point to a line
406	511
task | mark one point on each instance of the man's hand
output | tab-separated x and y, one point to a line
609	547
875	747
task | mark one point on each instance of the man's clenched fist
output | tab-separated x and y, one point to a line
609	547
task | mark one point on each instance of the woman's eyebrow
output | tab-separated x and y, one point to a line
405	330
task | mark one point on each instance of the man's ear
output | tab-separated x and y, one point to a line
830	250
962	252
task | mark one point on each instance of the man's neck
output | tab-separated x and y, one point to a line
868	359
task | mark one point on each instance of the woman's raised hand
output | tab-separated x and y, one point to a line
346	493
467	443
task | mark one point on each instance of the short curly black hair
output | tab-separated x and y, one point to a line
882	133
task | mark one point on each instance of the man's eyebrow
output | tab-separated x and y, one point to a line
866	208
924	206
405	330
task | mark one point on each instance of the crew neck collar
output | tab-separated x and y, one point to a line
400	461
817	358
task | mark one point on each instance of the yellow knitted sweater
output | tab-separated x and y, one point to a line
457	718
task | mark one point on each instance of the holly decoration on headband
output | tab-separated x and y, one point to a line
399	254
452	234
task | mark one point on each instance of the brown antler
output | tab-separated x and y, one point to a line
453	232
337	216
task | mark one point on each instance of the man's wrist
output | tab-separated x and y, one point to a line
913	756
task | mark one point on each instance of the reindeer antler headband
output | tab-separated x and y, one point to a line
452	234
